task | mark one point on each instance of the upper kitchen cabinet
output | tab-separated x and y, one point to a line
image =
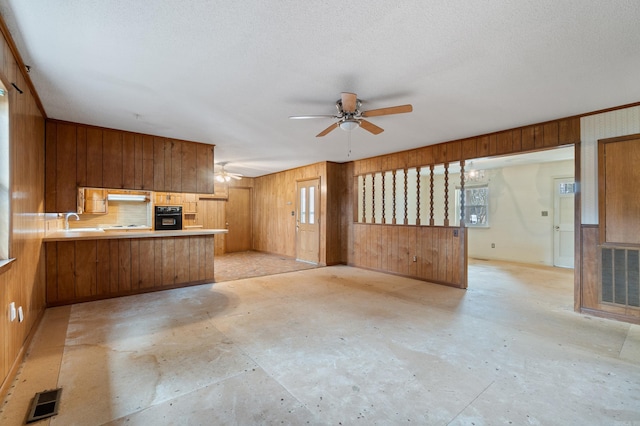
112	159
60	167
79	155
204	171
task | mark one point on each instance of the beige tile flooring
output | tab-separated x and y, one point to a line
338	345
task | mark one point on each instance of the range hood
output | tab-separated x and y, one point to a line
127	197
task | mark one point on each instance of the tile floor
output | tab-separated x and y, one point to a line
338	345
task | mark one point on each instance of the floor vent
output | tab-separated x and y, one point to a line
620	276
45	404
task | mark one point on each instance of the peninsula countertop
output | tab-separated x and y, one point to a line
96	234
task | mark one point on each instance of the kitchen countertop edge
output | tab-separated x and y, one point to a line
113	235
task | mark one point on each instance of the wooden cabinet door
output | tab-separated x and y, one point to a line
204	169
95	201
129	161
176	166
65	189
147	162
159	164
189	167
86	268
94	157
112	159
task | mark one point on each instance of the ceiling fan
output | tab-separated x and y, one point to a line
349	115
224	176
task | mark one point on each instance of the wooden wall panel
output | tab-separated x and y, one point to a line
124	265
182	259
590	261
550	137
275	199
94	157
81	156
205	169
52	272
103	280
66	270
86	269
528	142
159	164
112	159
130	160
50	166
188	168
114	266
148	147
569	130
65	169
176	166
147	263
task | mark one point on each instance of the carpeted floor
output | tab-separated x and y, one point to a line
248	264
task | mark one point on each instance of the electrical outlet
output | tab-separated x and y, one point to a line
415	258
493	245
545	213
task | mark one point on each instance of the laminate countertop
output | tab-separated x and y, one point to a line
73	235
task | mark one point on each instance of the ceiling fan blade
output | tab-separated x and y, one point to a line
370	127
304	117
327	130
387	111
235	176
349	101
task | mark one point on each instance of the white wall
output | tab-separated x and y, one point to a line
600	126
517	197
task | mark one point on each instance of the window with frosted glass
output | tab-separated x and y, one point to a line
303	205
312	205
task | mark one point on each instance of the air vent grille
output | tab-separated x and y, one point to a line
620	276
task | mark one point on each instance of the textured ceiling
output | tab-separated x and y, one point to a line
230	73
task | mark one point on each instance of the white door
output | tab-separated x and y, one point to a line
563	218
308	221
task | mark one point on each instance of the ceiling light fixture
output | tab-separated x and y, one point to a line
349	124
473	175
223	176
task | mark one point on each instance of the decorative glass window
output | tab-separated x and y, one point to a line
303	205
568	188
476	206
312	207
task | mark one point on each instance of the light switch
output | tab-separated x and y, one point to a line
545	213
12	311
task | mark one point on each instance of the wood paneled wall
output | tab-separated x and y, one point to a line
23	282
83	270
274	220
432	253
523	139
440	256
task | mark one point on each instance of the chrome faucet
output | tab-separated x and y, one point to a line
66	220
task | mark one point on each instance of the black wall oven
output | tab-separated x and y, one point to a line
168	218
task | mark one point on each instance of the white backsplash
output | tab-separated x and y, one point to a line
119	213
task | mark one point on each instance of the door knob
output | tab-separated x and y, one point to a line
557	228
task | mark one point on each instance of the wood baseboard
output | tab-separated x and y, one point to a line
13	371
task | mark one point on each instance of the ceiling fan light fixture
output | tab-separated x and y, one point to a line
349	125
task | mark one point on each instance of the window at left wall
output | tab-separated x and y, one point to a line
5	174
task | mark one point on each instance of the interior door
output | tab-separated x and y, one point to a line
239	220
563	219
308	221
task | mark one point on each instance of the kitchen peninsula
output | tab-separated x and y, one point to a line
90	265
